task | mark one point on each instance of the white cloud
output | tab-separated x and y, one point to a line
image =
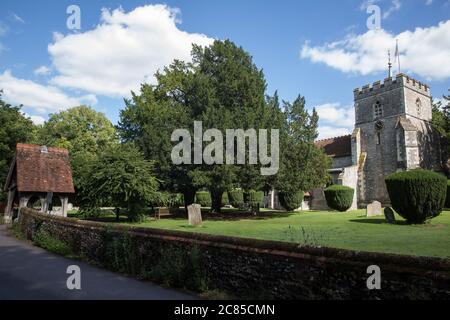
424	51
335	120
367	3
3	29
395	6
123	51
35	119
429	2
40	98
336	114
17	18
442	101
42	70
326	132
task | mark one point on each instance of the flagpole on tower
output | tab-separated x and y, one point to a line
397	55
389	62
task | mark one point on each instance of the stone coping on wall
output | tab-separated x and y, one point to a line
431	266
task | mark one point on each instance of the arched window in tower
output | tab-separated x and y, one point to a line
418	107
378	110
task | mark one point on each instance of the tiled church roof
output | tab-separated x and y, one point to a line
336	147
41	170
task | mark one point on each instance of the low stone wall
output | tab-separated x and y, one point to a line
250	268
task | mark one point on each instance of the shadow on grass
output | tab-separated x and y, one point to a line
225	215
108	219
378	221
244	215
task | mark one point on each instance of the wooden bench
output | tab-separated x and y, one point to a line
163	211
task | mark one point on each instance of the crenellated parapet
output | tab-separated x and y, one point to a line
390	83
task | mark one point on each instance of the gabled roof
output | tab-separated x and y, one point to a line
39	171
336	147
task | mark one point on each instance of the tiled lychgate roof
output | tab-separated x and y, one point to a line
40	169
336	147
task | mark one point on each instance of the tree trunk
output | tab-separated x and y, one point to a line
189	197
117	214
216	201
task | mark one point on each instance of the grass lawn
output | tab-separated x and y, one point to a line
350	230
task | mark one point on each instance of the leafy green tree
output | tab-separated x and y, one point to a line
224	89
303	166
79	129
120	177
15	128
84	132
441	121
441	116
149	120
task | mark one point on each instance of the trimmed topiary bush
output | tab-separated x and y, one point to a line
447	197
254	197
417	195
236	198
175	200
339	197
203	198
291	201
225	200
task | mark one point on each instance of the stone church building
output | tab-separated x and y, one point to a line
393	132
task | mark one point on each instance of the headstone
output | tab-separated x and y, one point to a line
195	215
374	209
389	215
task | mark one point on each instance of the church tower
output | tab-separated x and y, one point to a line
393	132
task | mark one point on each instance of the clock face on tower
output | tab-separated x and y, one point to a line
379	125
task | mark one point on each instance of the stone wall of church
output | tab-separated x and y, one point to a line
341	162
388	149
429	153
381	160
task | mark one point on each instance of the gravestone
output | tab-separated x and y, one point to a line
389	215
374	209
195	215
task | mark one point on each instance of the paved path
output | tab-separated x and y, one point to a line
29	272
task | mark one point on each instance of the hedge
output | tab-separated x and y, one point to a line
447	197
291	200
236	198
417	195
254	197
175	200
203	198
225	200
339	197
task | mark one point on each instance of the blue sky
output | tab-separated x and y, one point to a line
320	49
